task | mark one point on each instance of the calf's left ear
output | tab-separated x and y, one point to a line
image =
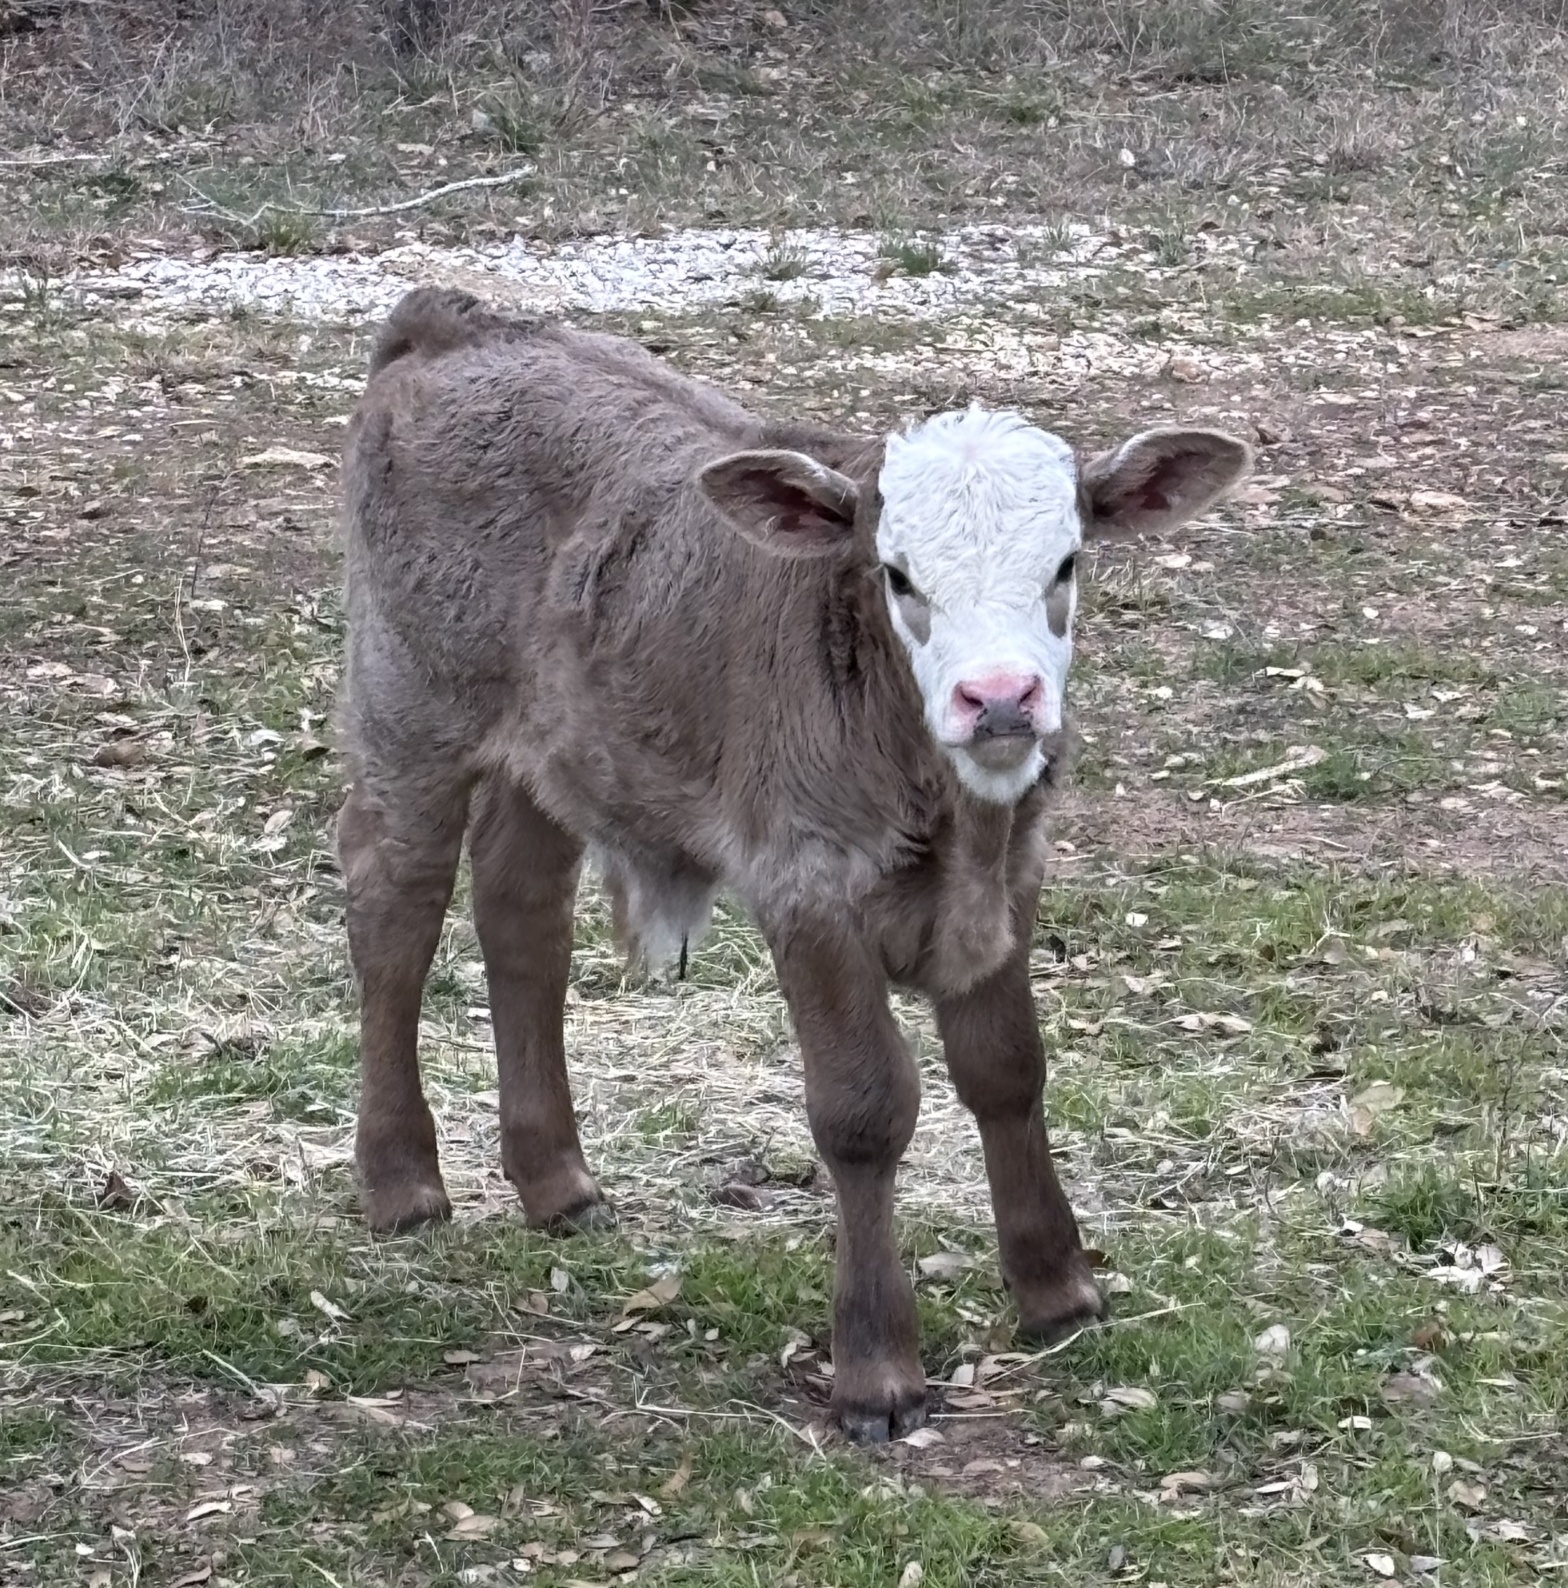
1158	480
785	502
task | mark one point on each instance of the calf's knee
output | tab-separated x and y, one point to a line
865	1115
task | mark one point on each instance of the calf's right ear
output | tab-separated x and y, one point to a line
785	502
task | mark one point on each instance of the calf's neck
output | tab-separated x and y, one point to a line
596	609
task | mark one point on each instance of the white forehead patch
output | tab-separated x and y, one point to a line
974	492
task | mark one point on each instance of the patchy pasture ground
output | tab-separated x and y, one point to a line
1302	963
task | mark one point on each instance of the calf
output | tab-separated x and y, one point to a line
596	607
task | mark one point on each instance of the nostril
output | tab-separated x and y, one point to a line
1031	696
968	697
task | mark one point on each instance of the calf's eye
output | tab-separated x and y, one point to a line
897	580
1068	568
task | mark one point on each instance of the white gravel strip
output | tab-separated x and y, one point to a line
844	273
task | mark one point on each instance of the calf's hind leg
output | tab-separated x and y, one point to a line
995	1056
525	884
399	848
862	1095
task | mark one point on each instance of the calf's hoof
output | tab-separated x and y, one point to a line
1056	1315
889	1407
583	1219
396	1207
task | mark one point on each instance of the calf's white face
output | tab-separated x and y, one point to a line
977	537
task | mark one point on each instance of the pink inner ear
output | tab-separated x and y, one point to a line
1172	471
798	512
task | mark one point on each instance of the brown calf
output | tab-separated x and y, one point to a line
595	607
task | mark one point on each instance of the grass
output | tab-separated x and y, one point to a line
782	264
914	257
1307	1082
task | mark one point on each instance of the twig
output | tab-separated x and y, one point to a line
202	528
424	198
335	213
243	1378
28	163
1061	1345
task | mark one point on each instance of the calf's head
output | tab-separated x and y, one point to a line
974	521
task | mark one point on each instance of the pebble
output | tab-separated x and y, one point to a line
844	274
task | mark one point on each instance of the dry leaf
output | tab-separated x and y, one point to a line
912	1575
1410	1389
621	1560
1231	1025
286	457
1436	501
459	1358
474	1526
330	1308
1430	1336
659	1294
1382	1565
1274	1341
1175	1484
1373	1101
1126	1398
208	1508
1472	1496
923	1438
945	1265
678	1479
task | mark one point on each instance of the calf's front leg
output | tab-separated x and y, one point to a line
992	1045
399	861
862	1096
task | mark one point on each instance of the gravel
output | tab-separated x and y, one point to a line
841	273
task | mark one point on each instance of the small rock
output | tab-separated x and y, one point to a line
1410	1389
120	752
1187	370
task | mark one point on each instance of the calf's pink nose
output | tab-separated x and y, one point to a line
999	694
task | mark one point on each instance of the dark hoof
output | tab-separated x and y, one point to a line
1044	1332
867	1425
394	1210
586	1218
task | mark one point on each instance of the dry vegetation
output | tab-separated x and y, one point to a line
1303	963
